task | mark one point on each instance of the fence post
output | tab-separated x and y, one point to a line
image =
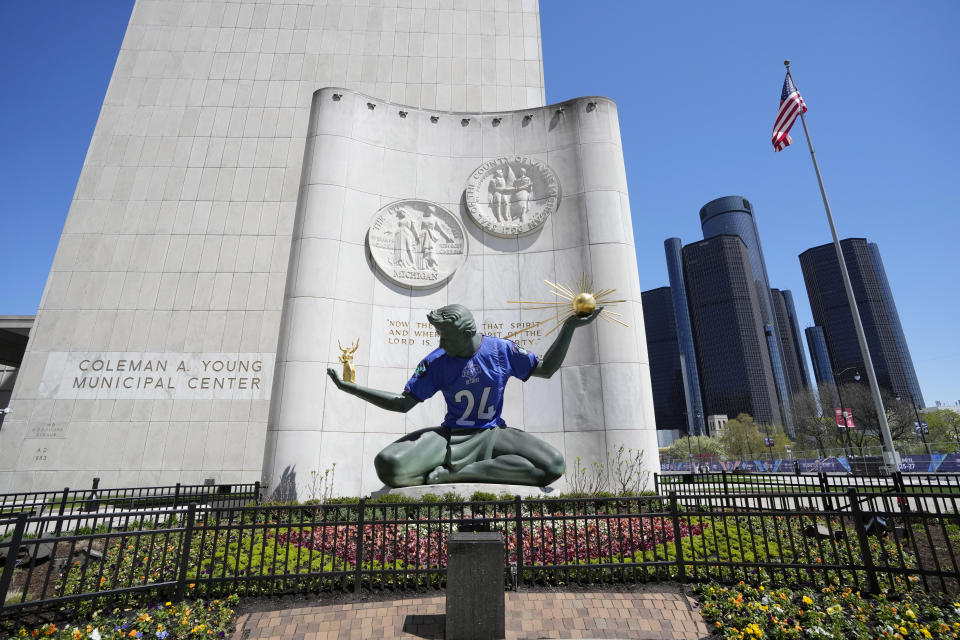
873	585
11	564
92	503
656	483
185	552
518	506
63	508
675	516
796	467
726	488
899	487
256	492
825	488
360	525
176	495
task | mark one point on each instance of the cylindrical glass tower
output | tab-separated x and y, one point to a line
696	421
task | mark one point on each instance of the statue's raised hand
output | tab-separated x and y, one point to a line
582	321
336	378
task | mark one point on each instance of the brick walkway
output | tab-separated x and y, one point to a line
644	614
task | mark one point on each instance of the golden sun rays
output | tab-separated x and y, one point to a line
579	300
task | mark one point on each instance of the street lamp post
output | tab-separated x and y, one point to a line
921	425
768	442
856	378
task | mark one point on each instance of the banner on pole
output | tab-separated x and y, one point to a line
848	416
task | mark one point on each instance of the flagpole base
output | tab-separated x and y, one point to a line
891	461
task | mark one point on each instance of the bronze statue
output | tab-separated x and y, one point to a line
473	444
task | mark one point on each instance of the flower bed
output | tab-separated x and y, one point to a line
744	612
568	540
168	621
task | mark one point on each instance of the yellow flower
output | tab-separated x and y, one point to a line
807	600
910	614
926	634
902	630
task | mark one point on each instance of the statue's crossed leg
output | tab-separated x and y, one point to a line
443	455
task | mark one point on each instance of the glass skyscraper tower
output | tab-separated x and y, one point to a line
733	215
881	322
666	370
696	418
725	311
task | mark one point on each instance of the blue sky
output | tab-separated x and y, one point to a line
697	85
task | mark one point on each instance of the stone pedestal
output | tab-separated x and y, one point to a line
475	593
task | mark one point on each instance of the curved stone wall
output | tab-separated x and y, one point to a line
361	156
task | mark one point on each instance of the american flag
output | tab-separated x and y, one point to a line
791	106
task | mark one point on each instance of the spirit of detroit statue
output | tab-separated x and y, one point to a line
473	444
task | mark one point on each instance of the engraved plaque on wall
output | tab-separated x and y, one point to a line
417	244
513	196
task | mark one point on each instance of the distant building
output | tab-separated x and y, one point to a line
733	215
881	322
820	355
898	336
716	424
797	338
728	329
666	374
688	354
796	381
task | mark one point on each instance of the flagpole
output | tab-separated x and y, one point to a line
890	456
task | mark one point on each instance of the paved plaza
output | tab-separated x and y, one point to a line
647	614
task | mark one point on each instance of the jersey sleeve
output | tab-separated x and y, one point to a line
421	384
522	362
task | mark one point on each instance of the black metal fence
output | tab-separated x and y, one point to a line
95	500
870	540
751	482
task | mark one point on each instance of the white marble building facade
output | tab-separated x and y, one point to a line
154	356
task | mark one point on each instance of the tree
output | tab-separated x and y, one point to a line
944	426
817	432
703	448
901	416
744	439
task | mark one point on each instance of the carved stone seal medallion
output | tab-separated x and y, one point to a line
417	244
510	197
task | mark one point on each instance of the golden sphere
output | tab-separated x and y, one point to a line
584	304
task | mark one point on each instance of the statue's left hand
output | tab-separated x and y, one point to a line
582	321
336	378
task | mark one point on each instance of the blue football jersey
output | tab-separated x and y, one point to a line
473	387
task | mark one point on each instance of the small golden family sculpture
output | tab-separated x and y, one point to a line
346	357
